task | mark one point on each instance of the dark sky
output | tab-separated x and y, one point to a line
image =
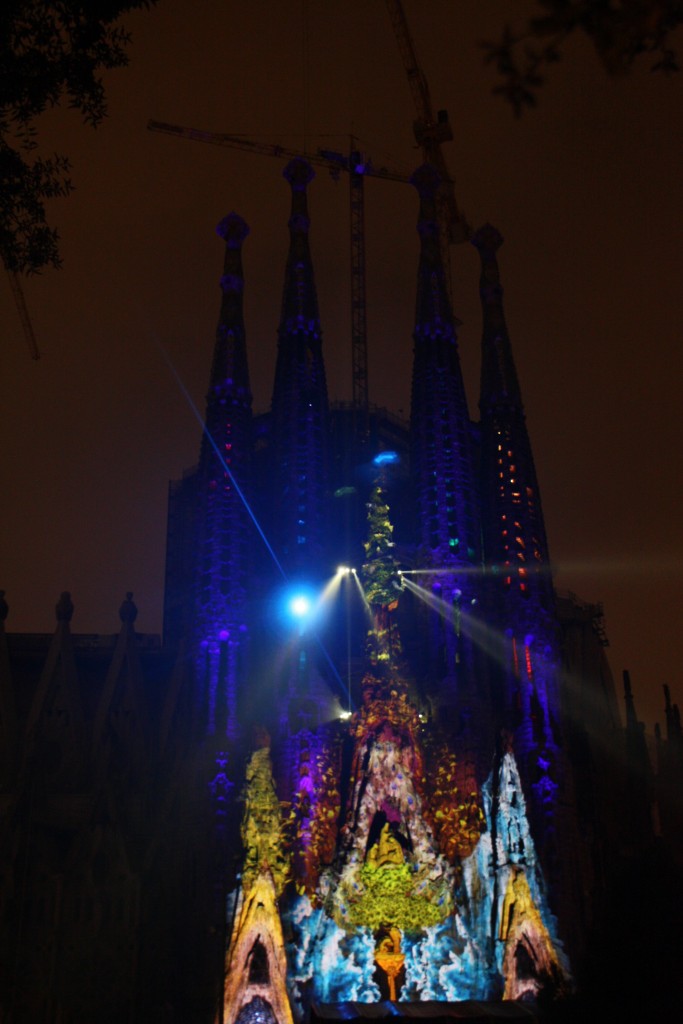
586	191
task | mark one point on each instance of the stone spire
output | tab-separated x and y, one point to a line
639	776
223	478
516	556
443	464
514	533
229	372
299	405
439	418
499	383
515	547
56	719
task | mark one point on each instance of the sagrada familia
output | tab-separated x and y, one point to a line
376	765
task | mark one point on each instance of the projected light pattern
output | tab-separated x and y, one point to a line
469	954
386	459
533	668
391	916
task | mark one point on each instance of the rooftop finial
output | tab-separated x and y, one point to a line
487	239
631	717
128	611
233	229
64	608
299	174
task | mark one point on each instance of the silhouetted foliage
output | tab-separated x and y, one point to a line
49	53
620	33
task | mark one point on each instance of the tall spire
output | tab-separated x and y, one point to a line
639	776
299	405
223	476
439	418
442	456
516	554
229	371
514	533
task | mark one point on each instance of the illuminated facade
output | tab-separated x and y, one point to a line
413	871
415	789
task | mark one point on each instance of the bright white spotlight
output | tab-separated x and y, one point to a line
300	606
343	570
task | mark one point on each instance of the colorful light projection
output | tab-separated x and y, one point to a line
435	892
382	583
429	890
312	824
255	987
255	983
393	875
511	909
479	930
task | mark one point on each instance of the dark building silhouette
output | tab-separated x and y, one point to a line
419	791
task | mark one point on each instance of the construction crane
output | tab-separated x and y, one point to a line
358	168
430	132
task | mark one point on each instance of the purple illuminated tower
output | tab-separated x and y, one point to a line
299	455
443	473
299	405
516	556
221	564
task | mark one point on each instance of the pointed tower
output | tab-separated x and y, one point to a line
56	720
637	823
443	465
514	532
299	405
222	560
670	778
516	557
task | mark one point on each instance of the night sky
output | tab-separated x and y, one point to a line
586	191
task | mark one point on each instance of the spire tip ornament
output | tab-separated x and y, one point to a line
487	239
299	174
233	229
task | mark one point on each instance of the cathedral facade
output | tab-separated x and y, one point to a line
375	759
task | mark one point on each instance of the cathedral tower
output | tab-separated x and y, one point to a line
299	416
516	558
443	471
222	557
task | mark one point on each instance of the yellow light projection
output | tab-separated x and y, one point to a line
530	960
256	964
